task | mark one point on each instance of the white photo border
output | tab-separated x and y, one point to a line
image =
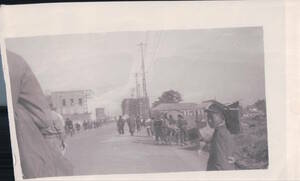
81	18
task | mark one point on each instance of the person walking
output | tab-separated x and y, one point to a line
182	125
131	125
172	127
222	145
69	127
138	124
158	130
166	130
120	125
148	124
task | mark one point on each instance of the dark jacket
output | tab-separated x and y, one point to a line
222	147
33	122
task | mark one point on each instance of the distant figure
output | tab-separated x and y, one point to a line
33	122
78	127
131	125
166	130
138	123
69	127
182	125
85	125
148	124
158	123
171	120
120	125
172	128
143	122
222	145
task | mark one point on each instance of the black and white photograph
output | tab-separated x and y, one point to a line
136	102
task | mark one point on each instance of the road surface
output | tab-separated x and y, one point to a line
103	151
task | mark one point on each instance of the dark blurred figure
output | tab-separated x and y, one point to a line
138	123
157	124
120	125
182	125
78	127
33	122
148	124
69	127
131	125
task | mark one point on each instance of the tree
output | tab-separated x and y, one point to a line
169	96
261	105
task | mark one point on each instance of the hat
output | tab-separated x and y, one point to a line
215	107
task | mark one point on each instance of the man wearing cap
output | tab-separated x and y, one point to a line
222	146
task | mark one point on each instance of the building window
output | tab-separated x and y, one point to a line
72	101
80	101
64	102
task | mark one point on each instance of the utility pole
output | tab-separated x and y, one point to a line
132	92
137	86
145	101
143	69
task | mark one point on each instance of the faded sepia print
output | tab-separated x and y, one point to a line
139	101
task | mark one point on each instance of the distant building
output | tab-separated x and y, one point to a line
100	113
136	107
71	104
192	112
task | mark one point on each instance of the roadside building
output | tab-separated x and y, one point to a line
191	112
136	107
71	104
100	113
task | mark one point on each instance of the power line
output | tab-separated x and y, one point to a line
146	42
158	45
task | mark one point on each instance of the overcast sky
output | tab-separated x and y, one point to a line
226	64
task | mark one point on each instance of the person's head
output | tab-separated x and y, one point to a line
180	116
215	119
215	116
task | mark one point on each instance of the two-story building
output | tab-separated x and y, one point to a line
71	104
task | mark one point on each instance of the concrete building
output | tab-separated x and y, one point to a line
136	107
100	113
71	104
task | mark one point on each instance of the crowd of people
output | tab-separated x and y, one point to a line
215	136
167	130
40	131
134	124
164	129
72	127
